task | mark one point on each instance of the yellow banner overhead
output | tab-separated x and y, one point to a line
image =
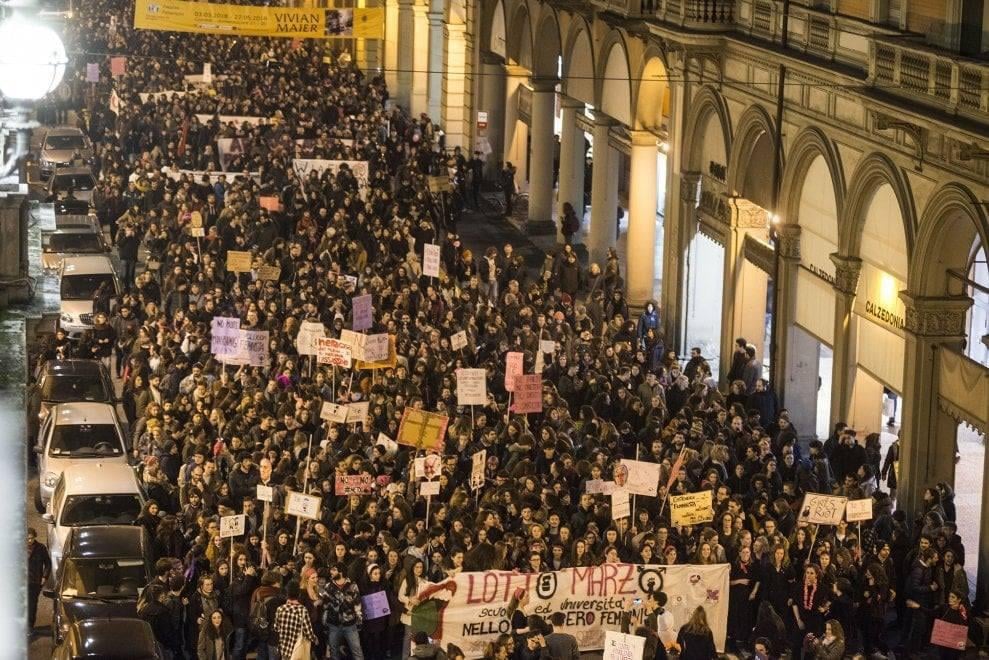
247	21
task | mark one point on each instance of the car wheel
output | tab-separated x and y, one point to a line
38	504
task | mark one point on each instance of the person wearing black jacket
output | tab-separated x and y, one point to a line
153	608
39	567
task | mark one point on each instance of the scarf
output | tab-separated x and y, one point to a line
809	591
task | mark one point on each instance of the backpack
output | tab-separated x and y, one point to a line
260	626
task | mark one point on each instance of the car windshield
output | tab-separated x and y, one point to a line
82	287
65	142
65	388
84	510
104	577
85	440
82	242
73	181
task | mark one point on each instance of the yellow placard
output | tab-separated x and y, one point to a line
422	429
267	272
251	21
238	262
691	508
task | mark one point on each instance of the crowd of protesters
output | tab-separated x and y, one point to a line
207	434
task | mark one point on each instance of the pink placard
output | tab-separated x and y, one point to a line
528	394
118	66
513	368
950	635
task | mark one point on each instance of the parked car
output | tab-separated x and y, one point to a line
76	433
61	143
72	183
120	639
66	381
70	242
88	494
101	575
81	277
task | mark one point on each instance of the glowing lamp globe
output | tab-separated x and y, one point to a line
32	60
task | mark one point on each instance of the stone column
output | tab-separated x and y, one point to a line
391	45
419	62
927	446
540	219
846	279
788	253
604	192
492	86
437	48
13	248
405	52
516	138
642	199
571	187
456	118
677	231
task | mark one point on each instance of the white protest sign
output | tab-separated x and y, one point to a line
355	341
333	412
359	168
265	493
357	412
621	646
513	368
822	509
599	487
333	352
363	312
252	348
431	260
376	348
638	477
458	340
232	526
309	332
472	388
429	488
856	510
547	346
302	505
477	462
224	332
621	506
391	447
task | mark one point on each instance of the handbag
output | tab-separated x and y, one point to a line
302	649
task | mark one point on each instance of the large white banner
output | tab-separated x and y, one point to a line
359	168
470	609
197	175
236	120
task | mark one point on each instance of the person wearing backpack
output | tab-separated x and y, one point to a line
264	602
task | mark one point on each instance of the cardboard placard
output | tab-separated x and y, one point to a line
197	232
422	429
856	510
388	363
822	509
363	312
599	487
376	347
477	464
238	261
458	340
195	219
309	333
231	526
429	488
357	412
333	412
950	635
354	484
621	646
431	260
547	346
270	203
303	505
375	606
224	332
92	72
439	184
118	66
513	368
333	352
528	394
427	467
472	387
691	508
621	506
268	273
638	477
265	493
252	349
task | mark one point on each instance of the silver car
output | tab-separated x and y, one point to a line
72	183
60	145
70	241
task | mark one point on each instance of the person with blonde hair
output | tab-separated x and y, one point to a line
829	646
695	639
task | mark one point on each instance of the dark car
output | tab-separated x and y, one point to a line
101	574
66	381
120	639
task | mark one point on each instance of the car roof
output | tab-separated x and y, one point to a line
99	478
73	367
106	541
98	264
83	412
118	638
73	171
64	130
83	228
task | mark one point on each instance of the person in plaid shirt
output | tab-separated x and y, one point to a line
343	613
291	621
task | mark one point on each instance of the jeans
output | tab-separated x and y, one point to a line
351	635
267	651
490	291
239	649
130	269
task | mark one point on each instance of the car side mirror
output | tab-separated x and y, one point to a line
48	518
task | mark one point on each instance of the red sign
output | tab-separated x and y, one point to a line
951	635
354	484
528	394
513	368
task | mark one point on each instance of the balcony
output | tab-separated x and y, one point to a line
702	15
935	78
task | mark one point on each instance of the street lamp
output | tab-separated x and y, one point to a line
32	63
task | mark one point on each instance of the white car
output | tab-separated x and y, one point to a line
91	493
81	277
75	433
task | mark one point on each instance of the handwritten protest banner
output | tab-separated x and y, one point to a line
949	635
691	508
363	312
231	526
431	260
268	273
333	412
458	340
303	505
622	646
528	394
252	348
376	348
477	463
224	332
354	484
238	261
472	387
375	605
309	333
599	487
422	429
357	412
513	368
621	506
388	363
822	509
333	352
856	510
638	477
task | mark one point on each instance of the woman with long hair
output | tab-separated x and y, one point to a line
408	596
374	632
743	589
830	645
808	602
876	597
695	639
215	638
769	625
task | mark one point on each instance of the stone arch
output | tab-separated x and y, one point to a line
519	37
871	174
750	166
953	221
615	79
549	50
493	32
707	103
579	62
810	144
652	95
